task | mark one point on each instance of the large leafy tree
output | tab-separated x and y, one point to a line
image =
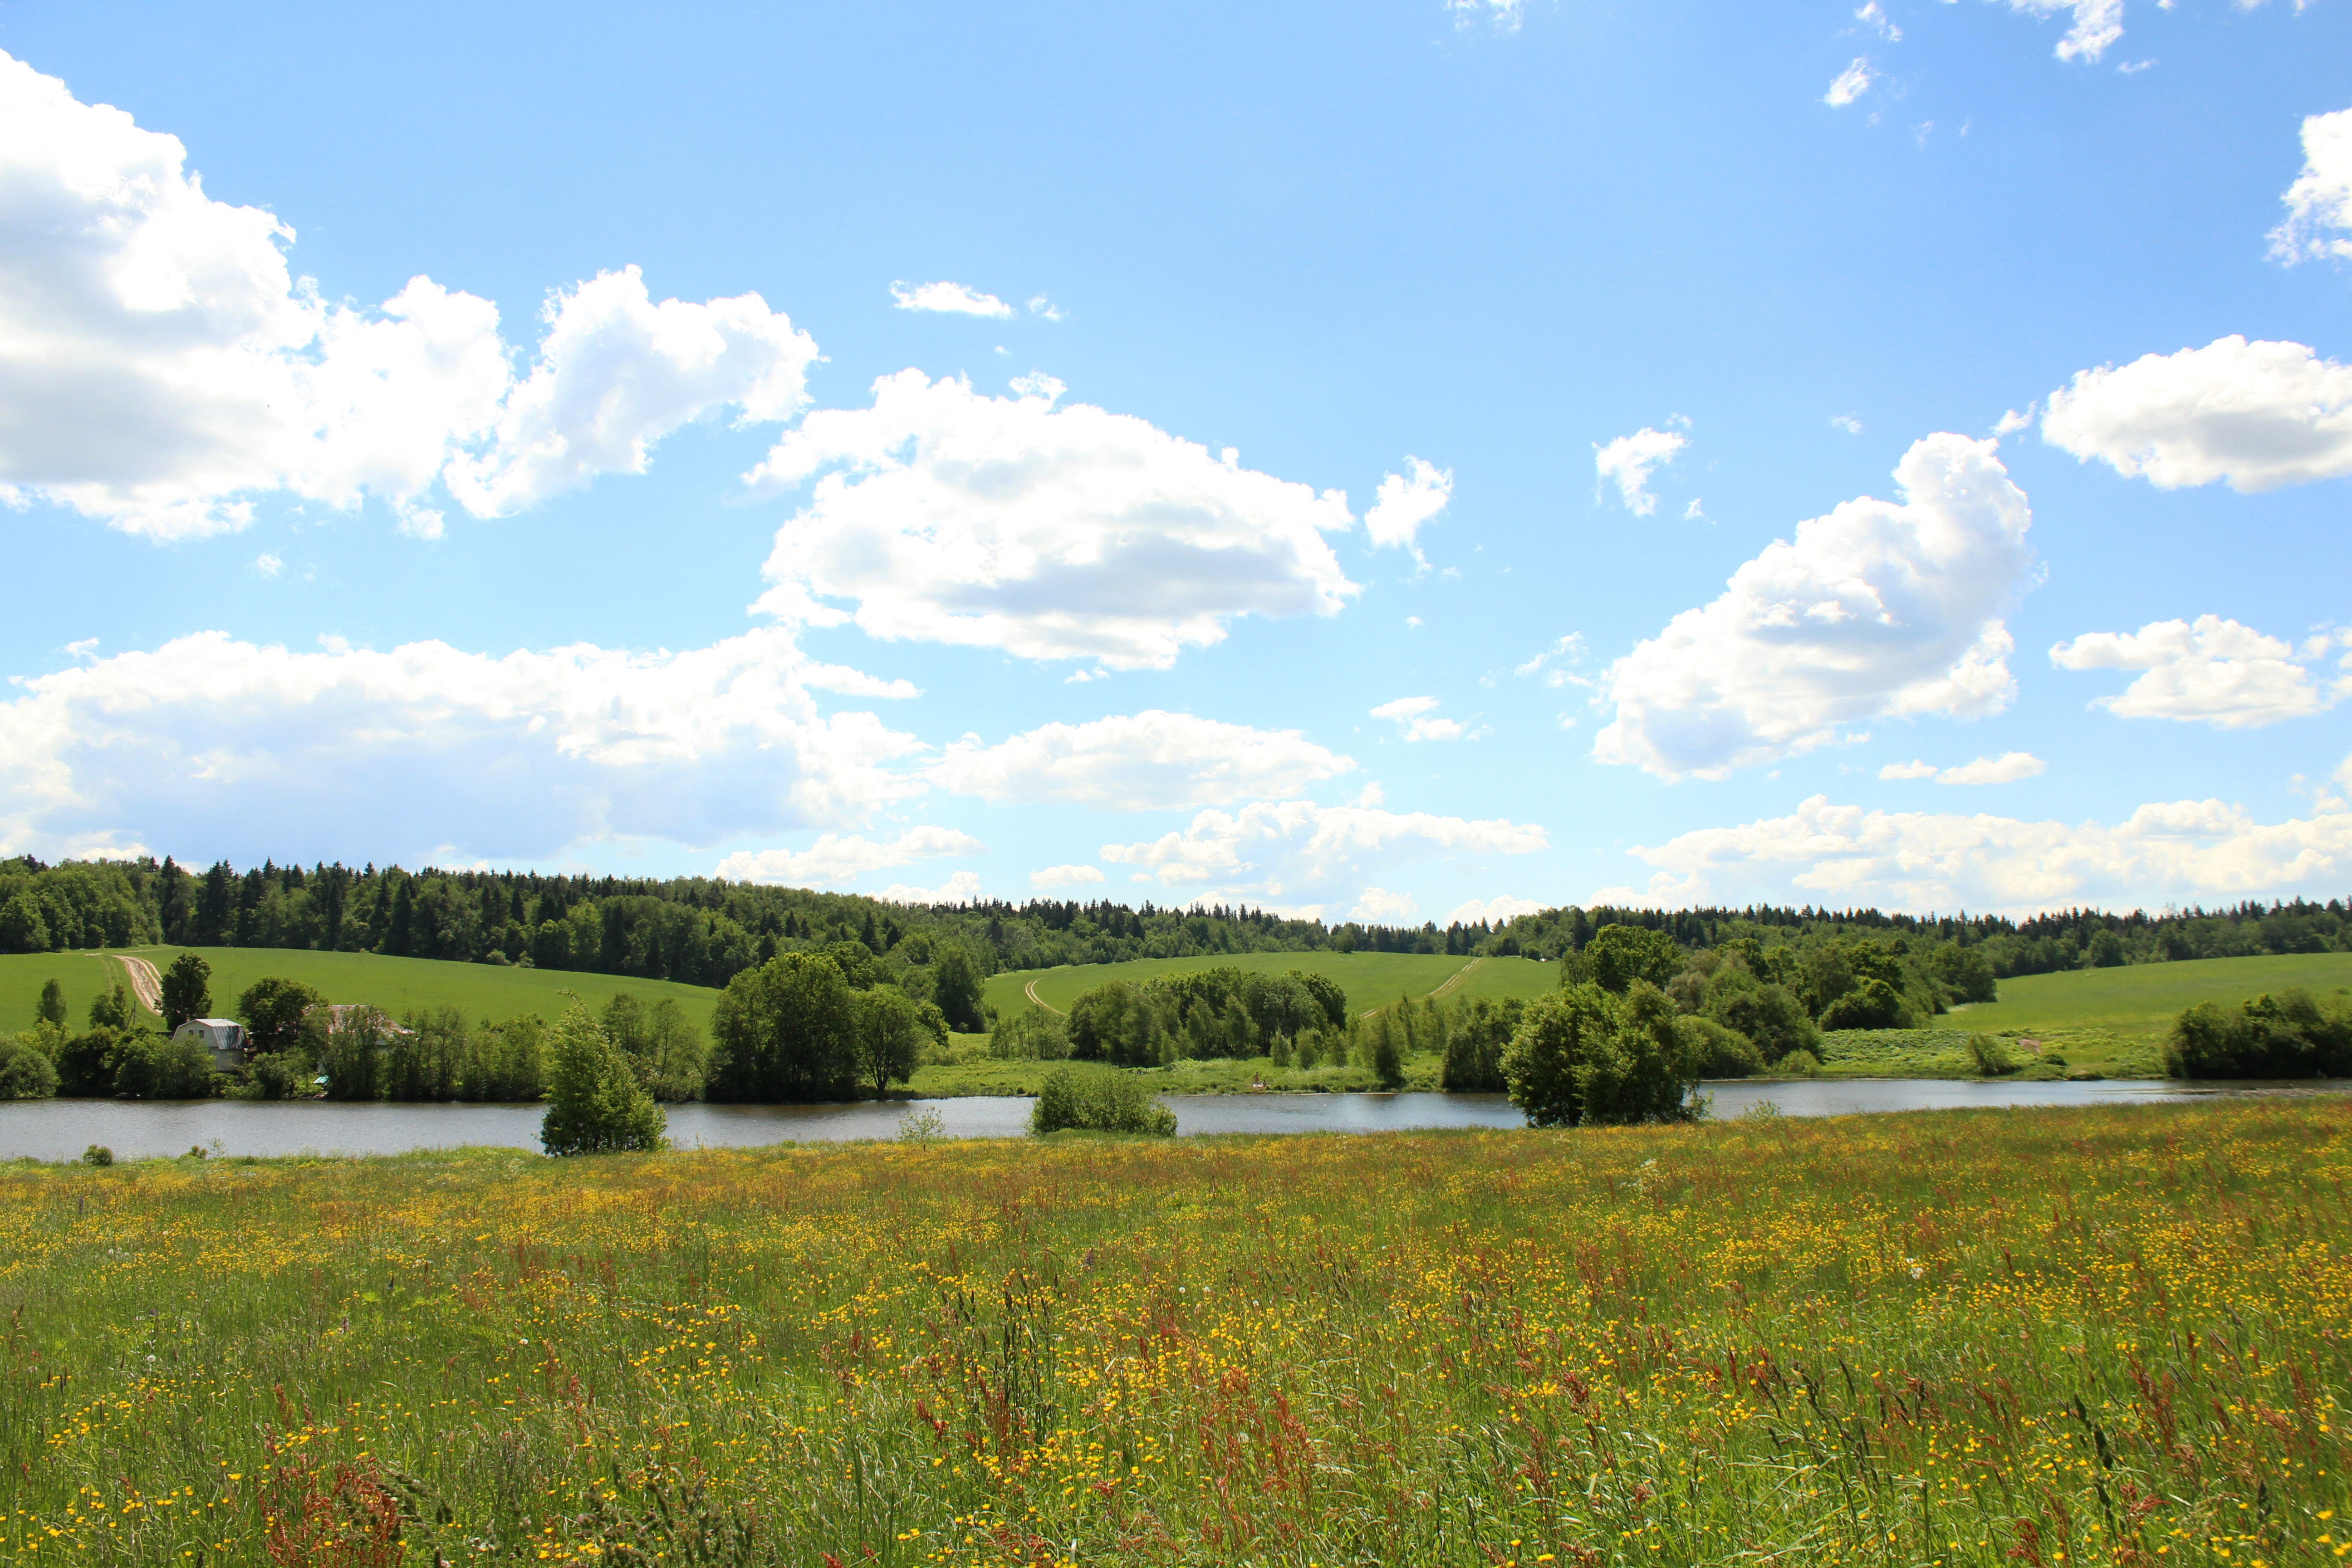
187	989
785	1031
1621	955
273	1010
1582	1055
890	1036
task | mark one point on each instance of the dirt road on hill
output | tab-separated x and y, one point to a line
1029	991
145	984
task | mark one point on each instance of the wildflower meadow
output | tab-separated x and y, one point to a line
2117	1335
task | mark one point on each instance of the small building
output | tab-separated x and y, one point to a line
224	1037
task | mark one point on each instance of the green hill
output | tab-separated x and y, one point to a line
1370	979
394	984
2141	1000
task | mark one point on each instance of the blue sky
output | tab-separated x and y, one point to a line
1395	461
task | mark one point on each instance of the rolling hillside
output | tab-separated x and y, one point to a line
395	984
2140	1001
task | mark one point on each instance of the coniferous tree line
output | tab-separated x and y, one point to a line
705	930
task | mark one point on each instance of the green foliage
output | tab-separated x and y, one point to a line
52	1007
1125	1025
114	1008
98	1154
353	1059
956	980
1475	1042
276	1076
1099	1101
669	1054
1768	1015
1621	955
786	1032
86	1064
1799	1064
149	1066
2289	1034
1584	1055
1029	1034
275	1011
187	989
22	929
1868	1003
26	1070
890	1037
595	1103
1716	1051
1992	1056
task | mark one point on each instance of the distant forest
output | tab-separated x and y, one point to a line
703	931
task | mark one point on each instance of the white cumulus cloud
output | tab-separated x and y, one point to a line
1049	532
950	299
615	373
225	747
1064	877
1378	906
161	370
963	888
1147	761
835	857
1910	769
2319	204
1405	502
1851	84
1880	609
1497	911
2095	23
2257	415
1297	848
2213	671
1416	718
1629	460
2184	851
2007	768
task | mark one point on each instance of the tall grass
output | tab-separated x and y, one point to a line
2118	1335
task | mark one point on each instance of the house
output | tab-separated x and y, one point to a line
224	1037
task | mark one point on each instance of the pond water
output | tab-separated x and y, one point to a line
61	1129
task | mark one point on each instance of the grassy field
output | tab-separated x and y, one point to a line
395	984
2114	1335
2139	1002
1370	979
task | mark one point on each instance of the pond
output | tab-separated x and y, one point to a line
61	1129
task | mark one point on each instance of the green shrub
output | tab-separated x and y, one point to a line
98	1154
1991	1055
595	1103
1583	1056
1799	1064
1715	1051
26	1070
1097	1102
2290	1035
1873	1003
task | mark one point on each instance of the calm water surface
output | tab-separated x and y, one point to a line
61	1129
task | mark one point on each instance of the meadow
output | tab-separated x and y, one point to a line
2116	1335
395	984
1371	979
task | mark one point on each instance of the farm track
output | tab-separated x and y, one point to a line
1448	983
1029	991
145	982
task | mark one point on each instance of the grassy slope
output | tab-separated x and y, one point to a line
2142	1000
395	984
1369	978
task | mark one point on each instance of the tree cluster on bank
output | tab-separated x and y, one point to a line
705	930
803	1026
2287	1034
